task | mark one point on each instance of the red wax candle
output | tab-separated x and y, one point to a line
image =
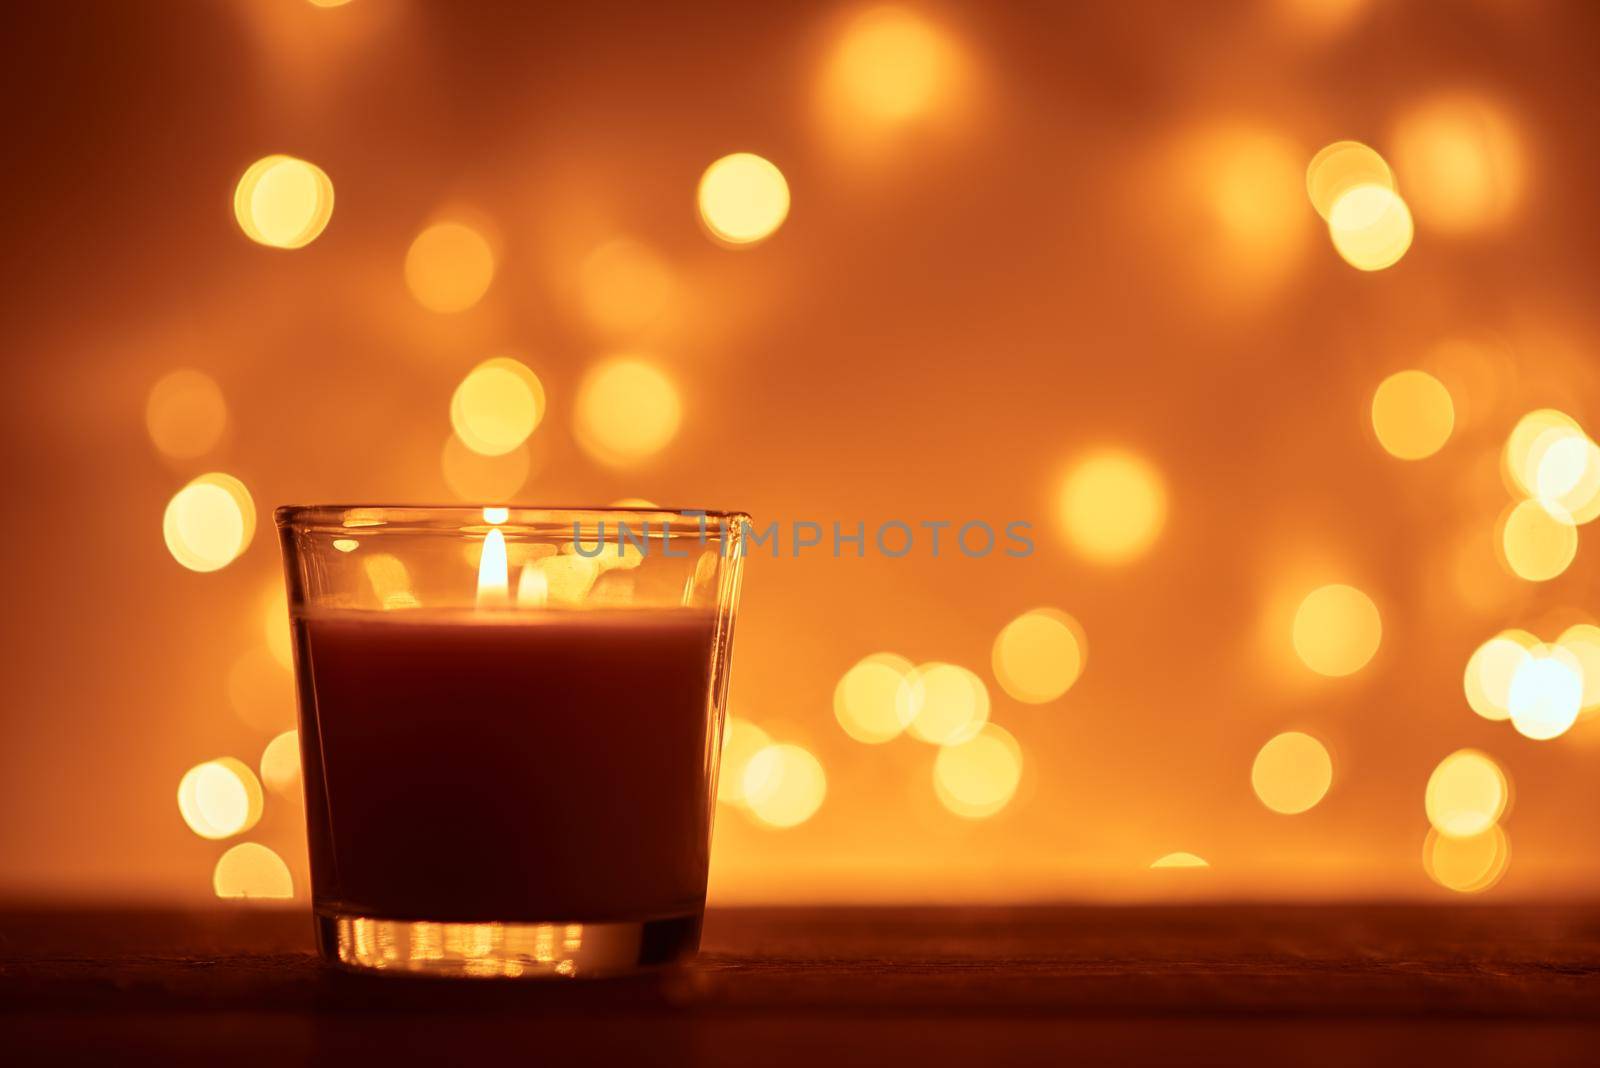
499	767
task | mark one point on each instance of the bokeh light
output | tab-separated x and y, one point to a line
283	202
943	704
1466	865
1525	446
741	740
1292	773
1462	160
1546	693
1337	630
891	66
743	199
275	623
1039	655
1371	227
1466	794
784	785
976	778
497	406
1113	506
1412	414
220	798
476	478
1180	860
449	267
185	414
1339	168
869	699
1581	642
251	870
1491	668
624	286
280	764
627	411
1535	544
209	522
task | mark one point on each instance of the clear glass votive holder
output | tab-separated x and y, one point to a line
510	723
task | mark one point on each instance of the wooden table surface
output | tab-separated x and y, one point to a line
1512	985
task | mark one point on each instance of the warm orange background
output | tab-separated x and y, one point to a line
1101	237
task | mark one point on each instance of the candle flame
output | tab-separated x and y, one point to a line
533	587
494	584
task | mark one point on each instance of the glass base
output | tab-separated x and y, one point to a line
506	950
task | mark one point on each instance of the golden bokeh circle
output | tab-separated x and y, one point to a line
1412	415
497	406
978	777
1466	794
1337	630
1371	227
449	267
868	700
784	785
627	410
1039	655
251	870
1292	773
743	199
283	202
220	798
1112	505
185	414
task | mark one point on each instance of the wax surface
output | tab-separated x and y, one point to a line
521	766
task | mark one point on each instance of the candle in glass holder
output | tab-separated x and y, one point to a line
515	785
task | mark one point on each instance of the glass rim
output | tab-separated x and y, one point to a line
332	517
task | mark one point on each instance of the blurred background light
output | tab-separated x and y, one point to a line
1039	655
784	785
220	798
1490	670
871	697
741	740
743	199
624	286
1371	227
1581	642
275	623
1412	414
1337	630
476	478
251	870
626	411
185	414
1113	505
1535	544
1339	168
1546	693
497	406
1525	446
1466	794
978	777
1180	860
1461	160
280	764
449	267
283	202
1292	773
1466	865
209	522
943	704
891	66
